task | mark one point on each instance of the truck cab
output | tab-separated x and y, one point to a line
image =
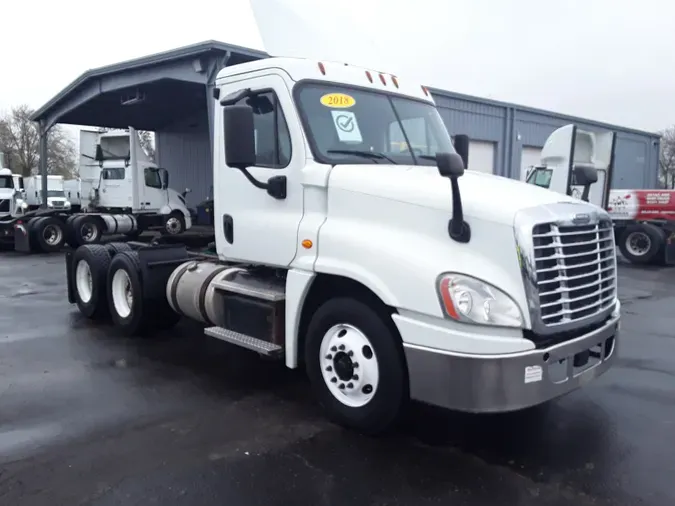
351	240
569	156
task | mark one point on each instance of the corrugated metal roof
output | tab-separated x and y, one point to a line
153	59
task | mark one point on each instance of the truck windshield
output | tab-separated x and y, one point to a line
540	177
6	182
55	193
347	125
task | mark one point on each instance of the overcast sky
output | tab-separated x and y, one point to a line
608	60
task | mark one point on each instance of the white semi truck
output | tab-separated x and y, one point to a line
644	220
388	274
72	188
121	192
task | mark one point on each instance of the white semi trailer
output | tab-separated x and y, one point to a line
121	192
388	274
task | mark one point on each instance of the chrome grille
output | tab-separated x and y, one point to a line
575	268
4	206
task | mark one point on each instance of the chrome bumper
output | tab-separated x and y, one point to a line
498	383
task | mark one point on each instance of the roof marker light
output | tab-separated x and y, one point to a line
394	80
322	68
426	92
369	76
384	81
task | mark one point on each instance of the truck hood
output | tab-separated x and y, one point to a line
484	196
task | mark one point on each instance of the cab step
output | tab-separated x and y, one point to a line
251	343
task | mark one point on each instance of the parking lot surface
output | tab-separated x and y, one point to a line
88	417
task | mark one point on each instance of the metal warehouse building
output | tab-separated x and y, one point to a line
170	94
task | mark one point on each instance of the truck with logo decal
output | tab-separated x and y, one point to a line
644	220
385	270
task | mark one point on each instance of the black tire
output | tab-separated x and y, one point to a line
117	247
146	314
48	234
174	224
86	229
382	412
68	228
649	236
97	258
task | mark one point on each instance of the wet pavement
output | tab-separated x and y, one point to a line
87	417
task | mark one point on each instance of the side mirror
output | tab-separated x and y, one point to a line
239	136
450	165
585	174
461	144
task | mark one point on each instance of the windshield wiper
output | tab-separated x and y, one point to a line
427	157
366	154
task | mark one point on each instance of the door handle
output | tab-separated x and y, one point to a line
228	228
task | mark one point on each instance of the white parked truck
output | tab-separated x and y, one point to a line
121	192
388	274
644	220
56	198
72	189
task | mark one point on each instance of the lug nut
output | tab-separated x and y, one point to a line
329	357
329	368
355	377
342	386
333	379
350	385
355	365
341	347
367	389
333	348
350	353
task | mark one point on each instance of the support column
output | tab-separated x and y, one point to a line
44	133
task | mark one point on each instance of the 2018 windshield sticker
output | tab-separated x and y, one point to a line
338	100
346	126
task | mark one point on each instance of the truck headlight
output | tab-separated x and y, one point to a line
66	204
470	300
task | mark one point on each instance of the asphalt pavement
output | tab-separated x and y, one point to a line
90	418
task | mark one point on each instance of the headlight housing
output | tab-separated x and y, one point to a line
470	300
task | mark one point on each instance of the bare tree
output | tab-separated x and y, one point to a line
667	158
20	142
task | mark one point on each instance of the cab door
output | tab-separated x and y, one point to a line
250	224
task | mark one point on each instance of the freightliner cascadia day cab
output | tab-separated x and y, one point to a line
644	220
388	273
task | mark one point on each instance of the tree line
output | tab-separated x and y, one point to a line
20	145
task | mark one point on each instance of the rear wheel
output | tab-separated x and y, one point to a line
132	311
49	234
355	362
640	243
86	229
91	264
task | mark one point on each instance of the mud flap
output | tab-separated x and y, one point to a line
69	277
22	237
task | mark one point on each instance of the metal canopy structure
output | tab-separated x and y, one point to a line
148	93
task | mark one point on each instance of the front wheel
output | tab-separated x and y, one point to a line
640	243
174	224
355	362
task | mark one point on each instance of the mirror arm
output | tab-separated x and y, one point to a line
458	229
253	181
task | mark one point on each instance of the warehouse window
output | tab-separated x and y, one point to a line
272	138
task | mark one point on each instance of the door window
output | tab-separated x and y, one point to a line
152	178
272	138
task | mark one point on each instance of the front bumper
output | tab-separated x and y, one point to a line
509	382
